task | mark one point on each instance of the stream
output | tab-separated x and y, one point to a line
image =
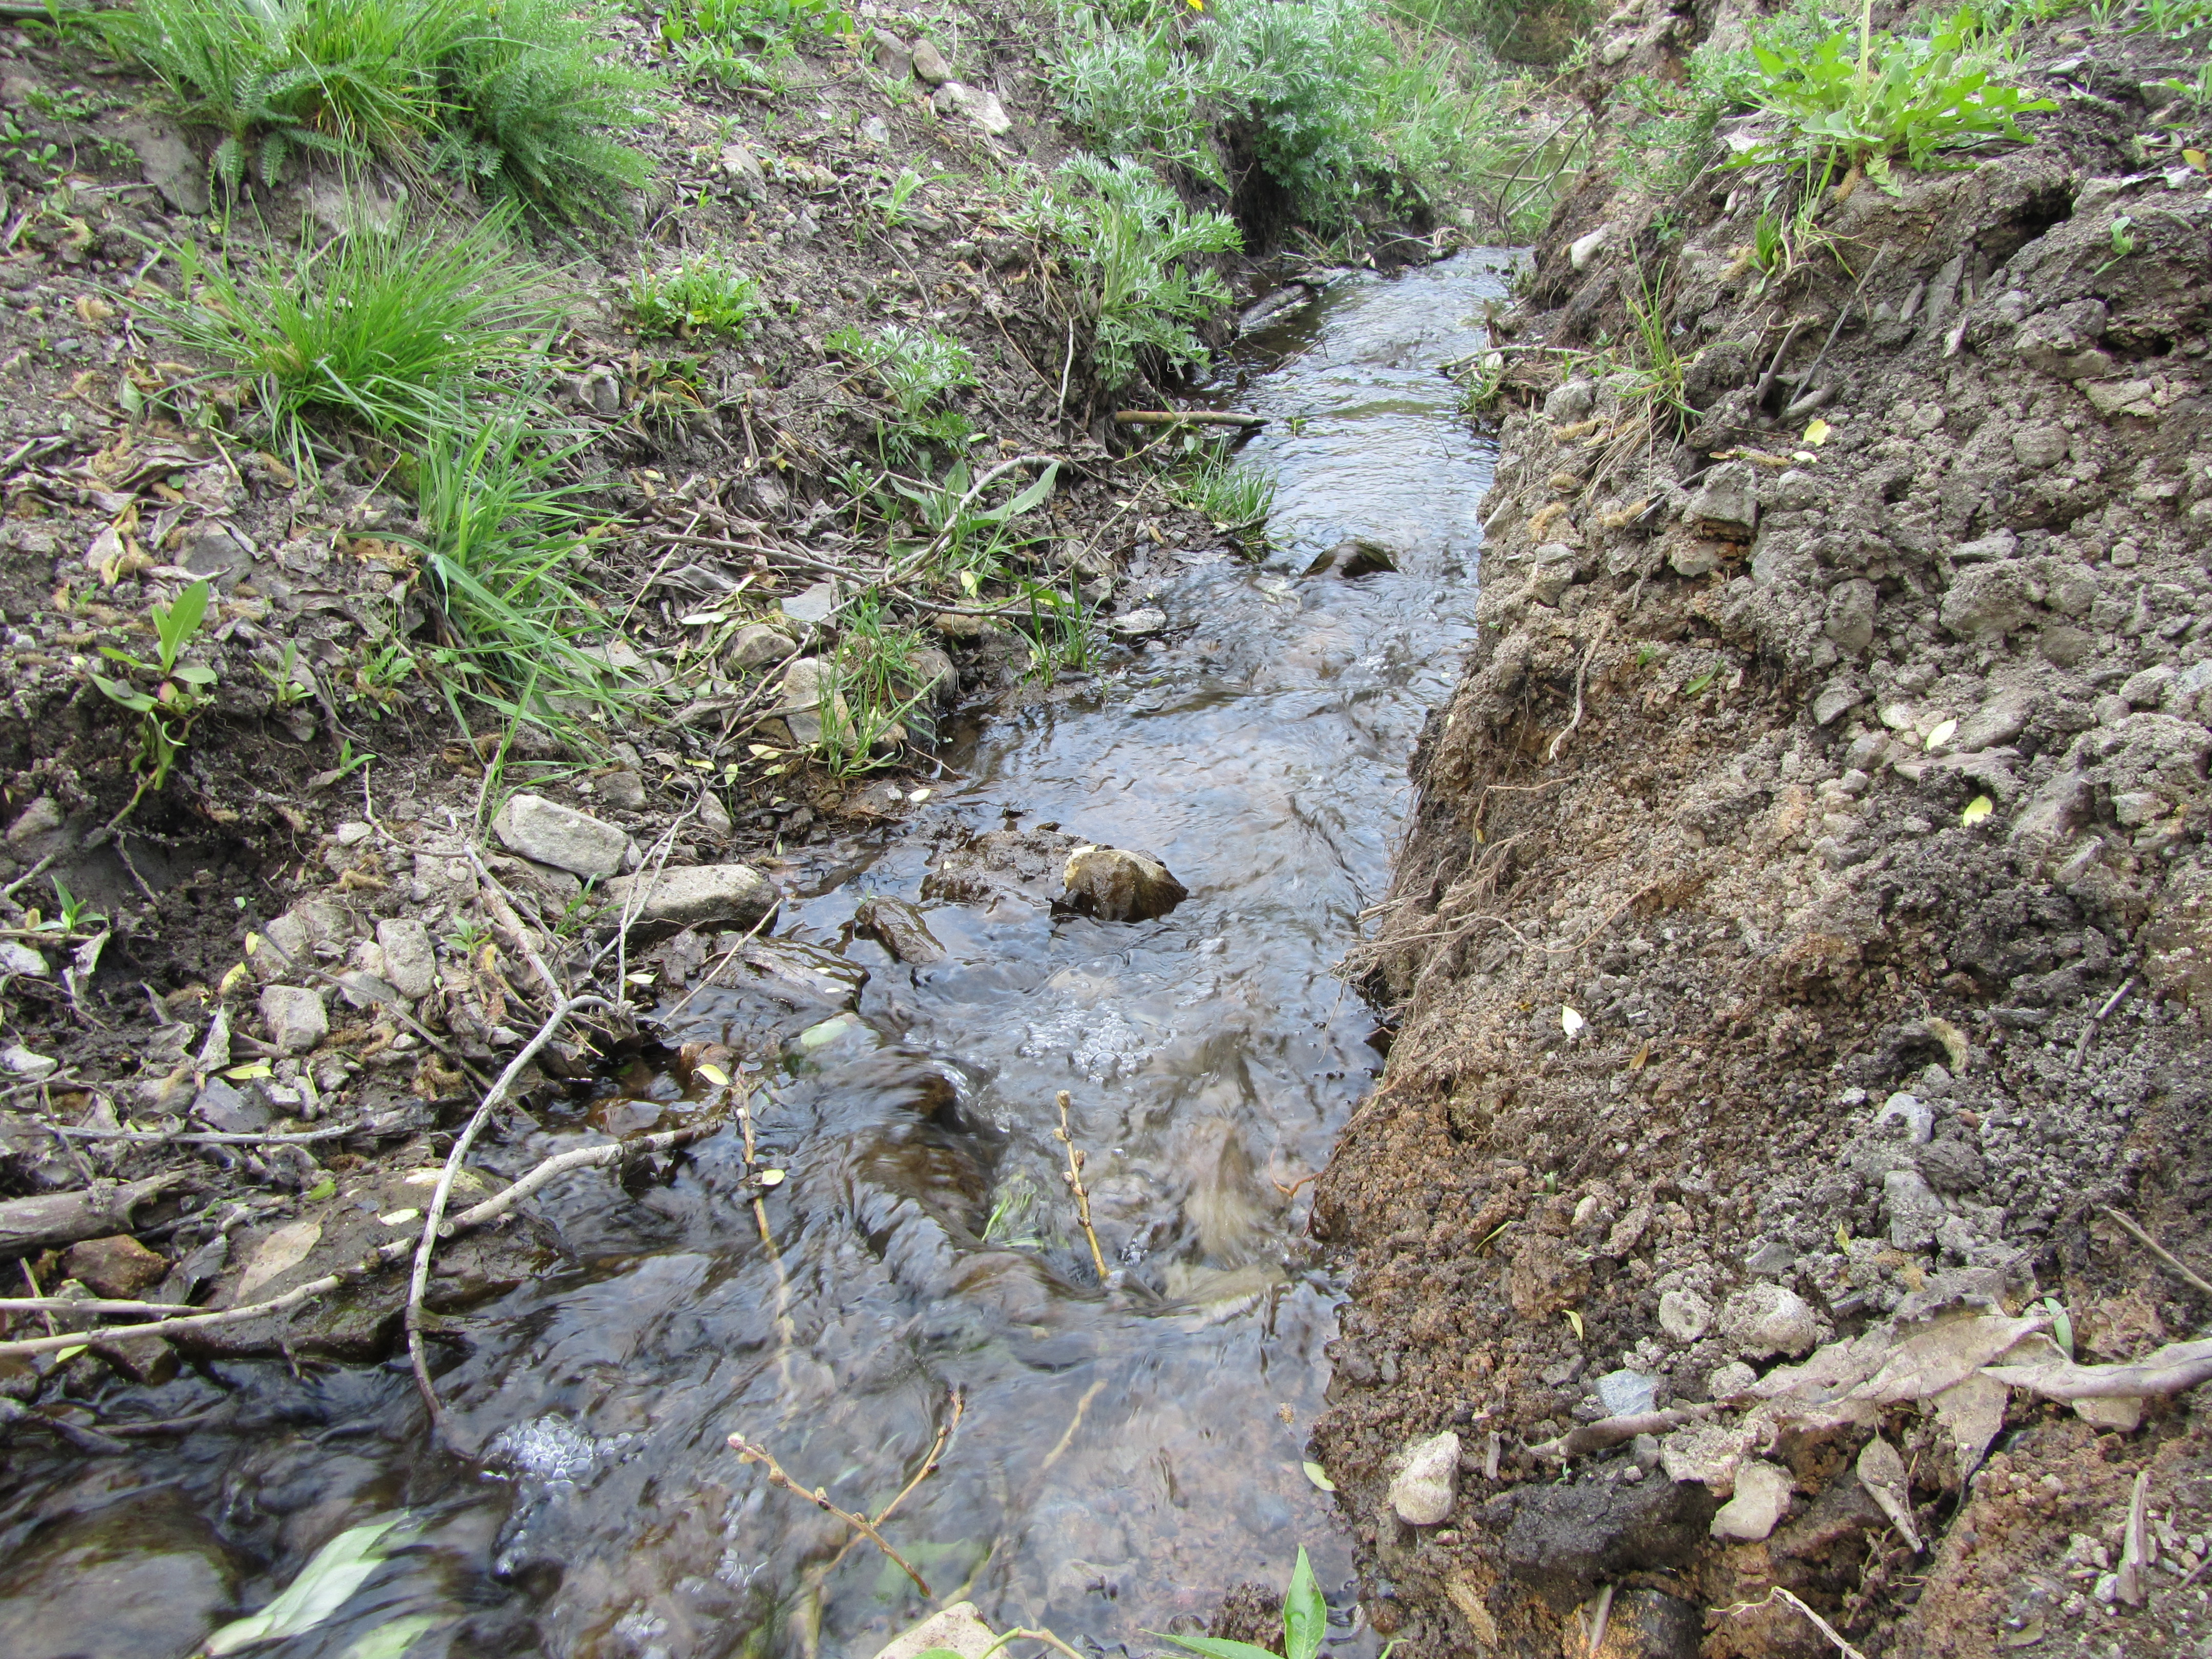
1122	1456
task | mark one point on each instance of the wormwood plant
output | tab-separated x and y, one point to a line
180	689
737	42
917	368
1132	239
394	332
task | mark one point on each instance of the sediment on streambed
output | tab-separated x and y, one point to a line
1795	960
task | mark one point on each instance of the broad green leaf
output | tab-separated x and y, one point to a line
1036	493
1319	1476
324	1585
177	623
192	674
1305	1615
1215	1647
392	1641
130	696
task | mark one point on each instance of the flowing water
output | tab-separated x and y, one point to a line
1124	1455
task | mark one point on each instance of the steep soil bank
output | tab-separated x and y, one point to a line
1801	934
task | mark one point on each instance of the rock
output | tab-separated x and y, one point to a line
933	676
956	1629
1648	1623
1353	557
1685	1316
1551	574
714	817
929	64
813	607
899	927
1563	1541
410	965
19	960
227	1110
1762	1499
622	789
1833	699
546	832
1850	615
145	1359
1626	1393
758	645
982	107
1954	1166
1139	624
743	169
118	1266
804	684
1583	249
1914	1113
33	823
1707	1455
1116	885
170	164
1988	601
295	1018
1422	1492
1728	1381
1727	499
1572	402
143	1573
1915	1213
1771	1259
2146	690
2041	446
891	55
1761	1320
697	895
1999	720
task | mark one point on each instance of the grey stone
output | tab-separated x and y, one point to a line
2039	445
1761	1320
1850	615
876	130
2147	689
1772	1258
1915	1114
622	789
1833	699
934	676
1988	601
1140	624
1117	886
1727	497
1761	1499
929	65
295	1018
40	819
1551	574
814	606
1695	558
1626	1393
1563	1541
170	164
900	928
1998	720
1571	403
805	685
743	169
1915	1211
18	960
1954	1166
758	644
980	106
1684	1315
410	965
891	54
714	817
227	1110
1422	1492
1795	490
696	895
546	832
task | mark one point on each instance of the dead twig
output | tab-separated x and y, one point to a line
2128	1225
1582	674
1187	417
436	1213
1779	1594
1075	1182
1612	1431
862	1524
2081	1047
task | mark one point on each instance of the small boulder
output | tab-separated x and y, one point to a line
1565	405
758	645
117	1267
892	58
1761	1320
1762	1499
929	64
1116	885
1422	1492
546	832
295	1018
410	965
697	895
980	106
807	683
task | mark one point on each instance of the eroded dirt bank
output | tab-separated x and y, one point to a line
1799	942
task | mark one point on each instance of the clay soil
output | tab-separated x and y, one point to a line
1800	766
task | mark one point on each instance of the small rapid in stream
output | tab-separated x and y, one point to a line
1123	1457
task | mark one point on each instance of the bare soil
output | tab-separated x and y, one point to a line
1799	768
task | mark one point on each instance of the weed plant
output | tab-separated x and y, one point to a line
181	690
517	97
1229	497
704	292
917	369
740	43
1061	630
1133	242
1143	91
394	332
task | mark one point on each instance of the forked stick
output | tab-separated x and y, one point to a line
1074	1178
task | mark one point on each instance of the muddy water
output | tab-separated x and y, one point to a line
1125	1453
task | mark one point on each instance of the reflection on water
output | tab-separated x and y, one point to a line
1125	1454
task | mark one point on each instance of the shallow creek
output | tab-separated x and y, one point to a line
1124	1456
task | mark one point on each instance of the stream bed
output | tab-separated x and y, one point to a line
1122	1456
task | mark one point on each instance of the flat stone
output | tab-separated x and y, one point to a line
1685	1316
1626	1393
1727	497
891	55
929	64
40	818
980	107
758	645
1915	1213
1762	1499
1139	624
117	1267
814	606
1117	886
734	895
743	169
1918	1116
956	1629
622	789
295	1017
411	965
900	928
1761	1320
19	960
1833	699
227	1110
1422	1492
170	164
546	832
1709	1454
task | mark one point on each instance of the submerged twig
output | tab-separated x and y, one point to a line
928	1468
820	1498
1074	1178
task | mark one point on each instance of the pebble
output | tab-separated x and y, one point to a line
294	1016
1685	1316
1915	1213
1139	624
1761	1320
814	606
1918	1116
410	965
982	107
1421	1492
117	1267
697	895
1116	885
1627	1392
1762	1497
929	64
